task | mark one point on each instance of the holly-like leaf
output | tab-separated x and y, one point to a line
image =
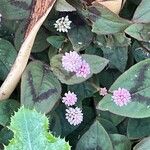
136	80
95	138
30	130
40	89
96	64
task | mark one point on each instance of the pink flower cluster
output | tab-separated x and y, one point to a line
69	99
103	91
73	115
72	62
121	97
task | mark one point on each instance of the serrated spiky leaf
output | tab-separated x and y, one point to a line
31	132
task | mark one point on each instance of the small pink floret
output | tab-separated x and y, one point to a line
74	115
121	96
69	99
84	70
71	61
103	91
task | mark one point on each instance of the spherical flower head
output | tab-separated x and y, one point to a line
63	24
74	115
69	99
121	96
71	61
84	70
103	91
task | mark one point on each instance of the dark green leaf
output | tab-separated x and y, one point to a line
95	138
56	41
80	37
7	108
138	128
8	55
120	142
15	9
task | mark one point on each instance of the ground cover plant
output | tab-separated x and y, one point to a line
75	74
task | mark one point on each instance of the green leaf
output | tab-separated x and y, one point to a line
5	136
83	90
142	13
40	89
103	20
115	119
40	38
108	126
136	80
15	10
115	49
95	138
143	144
96	64
8	55
138	128
139	31
7	107
80	37
140	51
62	5
56	41
120	142
30	132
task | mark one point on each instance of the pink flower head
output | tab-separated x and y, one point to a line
121	96
74	115
103	91
71	61
84	70
69	99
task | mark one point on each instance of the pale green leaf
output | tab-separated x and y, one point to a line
31	132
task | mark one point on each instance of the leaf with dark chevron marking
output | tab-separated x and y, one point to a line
40	89
137	81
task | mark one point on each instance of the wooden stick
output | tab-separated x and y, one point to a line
39	13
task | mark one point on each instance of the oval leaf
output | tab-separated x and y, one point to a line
96	63
136	80
40	89
95	138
